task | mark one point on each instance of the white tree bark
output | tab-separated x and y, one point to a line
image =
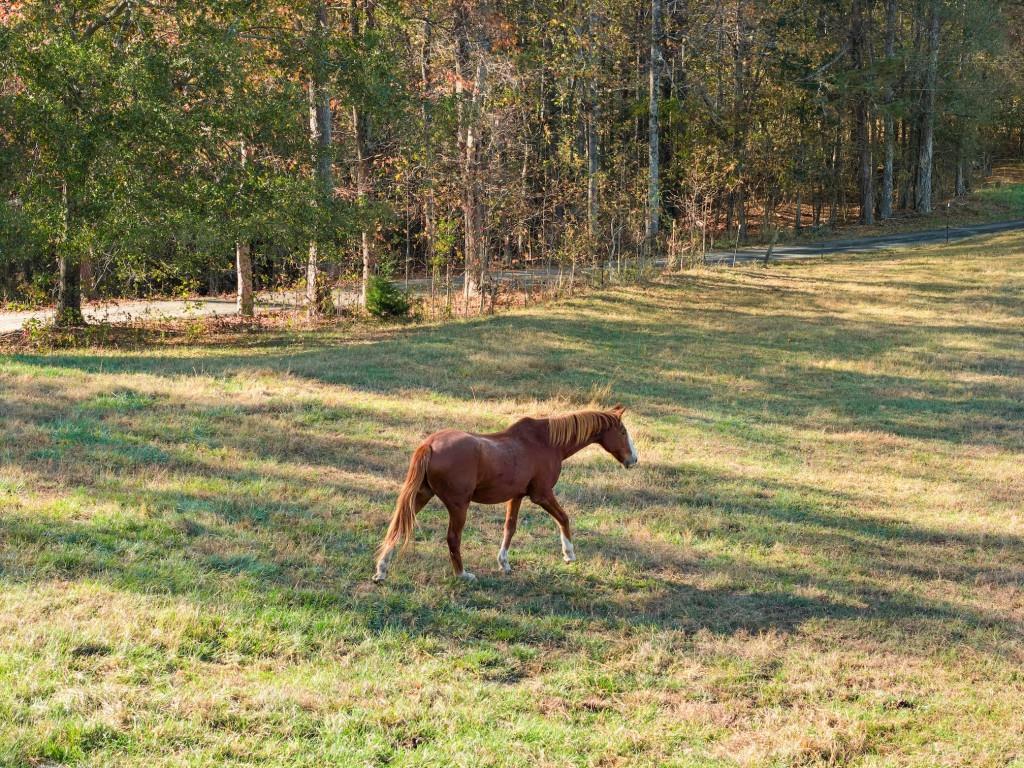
243	262
469	106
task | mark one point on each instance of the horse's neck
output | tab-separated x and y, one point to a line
569	450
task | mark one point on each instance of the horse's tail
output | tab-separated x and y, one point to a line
404	519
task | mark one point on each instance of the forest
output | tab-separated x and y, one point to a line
157	147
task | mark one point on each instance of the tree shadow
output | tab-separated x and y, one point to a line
197	544
288	500
543	602
655	368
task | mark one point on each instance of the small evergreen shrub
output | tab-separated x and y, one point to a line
385	299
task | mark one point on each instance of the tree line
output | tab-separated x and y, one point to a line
153	146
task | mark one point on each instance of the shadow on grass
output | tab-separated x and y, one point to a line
280	505
211	530
543	602
786	358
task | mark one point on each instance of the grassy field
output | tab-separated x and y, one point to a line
818	561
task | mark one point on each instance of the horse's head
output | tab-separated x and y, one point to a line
616	440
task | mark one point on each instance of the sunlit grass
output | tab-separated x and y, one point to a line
818	560
1010	197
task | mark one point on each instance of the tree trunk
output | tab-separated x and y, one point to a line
429	215
890	141
910	174
926	150
361	128
961	177
69	266
653	134
834	182
741	213
243	261
593	161
468	107
243	267
69	290
738	125
88	273
318	296
866	173
960	180
474	245
867	168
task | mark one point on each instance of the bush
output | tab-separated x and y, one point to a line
385	299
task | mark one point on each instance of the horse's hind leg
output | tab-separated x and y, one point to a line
456	522
423	495
511	520
553	508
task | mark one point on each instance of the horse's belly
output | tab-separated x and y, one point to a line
487	495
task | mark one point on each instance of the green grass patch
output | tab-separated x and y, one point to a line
818	560
1010	197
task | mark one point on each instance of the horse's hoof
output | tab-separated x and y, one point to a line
467	576
378	578
569	558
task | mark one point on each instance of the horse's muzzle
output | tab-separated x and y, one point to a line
630	462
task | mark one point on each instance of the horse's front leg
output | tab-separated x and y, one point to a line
511	521
553	508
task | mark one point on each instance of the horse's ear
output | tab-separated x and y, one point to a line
618	410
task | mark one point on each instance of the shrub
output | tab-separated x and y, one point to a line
385	299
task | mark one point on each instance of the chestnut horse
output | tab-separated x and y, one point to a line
524	460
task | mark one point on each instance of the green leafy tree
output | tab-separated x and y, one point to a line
89	89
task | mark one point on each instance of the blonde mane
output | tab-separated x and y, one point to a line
573	428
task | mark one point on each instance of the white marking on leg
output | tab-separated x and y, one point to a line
503	560
568	551
382	565
467	576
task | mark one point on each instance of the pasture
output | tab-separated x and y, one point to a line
817	561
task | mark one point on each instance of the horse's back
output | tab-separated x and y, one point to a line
453	447
450	439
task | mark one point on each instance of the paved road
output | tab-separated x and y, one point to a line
861	244
126	311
